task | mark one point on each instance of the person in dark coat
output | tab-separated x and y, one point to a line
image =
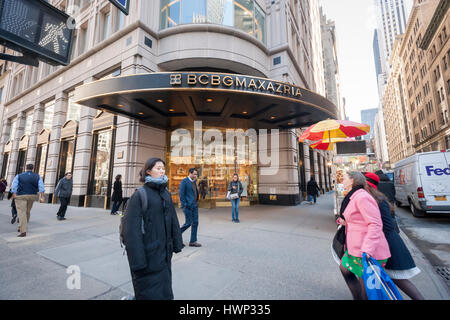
3	185
13	208
152	236
189	195
400	266
312	190
386	186
235	186
64	191
117	195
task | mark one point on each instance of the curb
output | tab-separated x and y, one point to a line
437	280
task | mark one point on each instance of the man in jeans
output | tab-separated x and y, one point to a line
64	191
24	188
189	203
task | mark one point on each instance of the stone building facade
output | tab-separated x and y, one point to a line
43	125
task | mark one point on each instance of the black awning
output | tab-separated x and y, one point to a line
175	99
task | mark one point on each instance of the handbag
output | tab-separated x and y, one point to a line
339	242
378	284
234	196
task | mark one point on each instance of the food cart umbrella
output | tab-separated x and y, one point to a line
327	145
329	129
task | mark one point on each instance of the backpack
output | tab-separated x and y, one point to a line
144	205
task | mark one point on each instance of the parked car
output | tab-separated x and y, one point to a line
422	182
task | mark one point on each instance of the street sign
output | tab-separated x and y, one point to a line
123	5
37	29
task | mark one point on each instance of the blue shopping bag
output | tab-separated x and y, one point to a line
378	284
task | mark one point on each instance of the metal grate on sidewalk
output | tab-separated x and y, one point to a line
444	272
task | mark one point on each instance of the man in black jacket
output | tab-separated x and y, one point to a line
386	186
312	189
64	191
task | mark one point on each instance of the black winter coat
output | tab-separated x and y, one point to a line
150	254
401	258
388	189
117	191
312	187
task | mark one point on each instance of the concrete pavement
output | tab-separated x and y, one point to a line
274	253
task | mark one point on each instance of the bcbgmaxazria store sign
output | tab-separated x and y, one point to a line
236	82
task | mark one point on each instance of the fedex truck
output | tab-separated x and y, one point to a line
422	182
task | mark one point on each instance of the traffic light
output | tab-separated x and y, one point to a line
36	29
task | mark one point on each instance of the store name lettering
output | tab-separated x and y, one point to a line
236	82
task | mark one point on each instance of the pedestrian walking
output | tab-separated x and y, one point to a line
203	187
189	204
312	190
25	186
364	232
400	266
64	191
13	208
151	234
234	194
117	195
386	186
3	185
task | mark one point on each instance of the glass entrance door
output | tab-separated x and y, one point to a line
5	166
41	160
99	185
21	161
66	158
215	166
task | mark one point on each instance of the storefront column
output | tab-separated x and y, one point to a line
83	150
20	128
135	142
280	187
307	163
38	122
61	104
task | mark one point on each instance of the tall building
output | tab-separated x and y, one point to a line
392	17
368	117
316	46
416	100
142	85
330	61
395	108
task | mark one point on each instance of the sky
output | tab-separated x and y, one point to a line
355	24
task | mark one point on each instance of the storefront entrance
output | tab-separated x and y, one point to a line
66	158
216	161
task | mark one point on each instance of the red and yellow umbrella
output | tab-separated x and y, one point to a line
327	145
328	130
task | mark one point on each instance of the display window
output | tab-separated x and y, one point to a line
100	181
216	162
66	157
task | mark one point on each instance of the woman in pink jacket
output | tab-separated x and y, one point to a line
364	232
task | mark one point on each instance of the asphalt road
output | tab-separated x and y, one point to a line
431	234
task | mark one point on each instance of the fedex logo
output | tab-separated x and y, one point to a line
437	171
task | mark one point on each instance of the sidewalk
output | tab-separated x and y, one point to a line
274	253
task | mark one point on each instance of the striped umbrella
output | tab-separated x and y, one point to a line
328	130
327	145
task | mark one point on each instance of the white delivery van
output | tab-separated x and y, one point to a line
422	182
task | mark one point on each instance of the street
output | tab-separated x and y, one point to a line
431	235
275	253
